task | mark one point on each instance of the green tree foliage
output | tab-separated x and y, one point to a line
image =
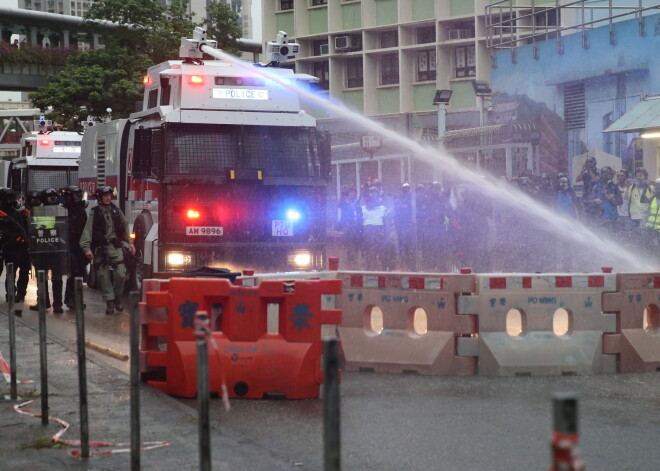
222	25
92	82
148	33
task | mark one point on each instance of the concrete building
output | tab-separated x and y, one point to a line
62	7
387	59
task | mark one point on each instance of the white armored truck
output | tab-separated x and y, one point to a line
220	167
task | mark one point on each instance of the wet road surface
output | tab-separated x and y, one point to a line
396	422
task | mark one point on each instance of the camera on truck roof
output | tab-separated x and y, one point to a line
281	49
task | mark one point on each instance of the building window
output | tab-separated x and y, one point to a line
465	61
320	47
319	2
286	5
389	69
425	66
388	39
322	72
354	77
425	35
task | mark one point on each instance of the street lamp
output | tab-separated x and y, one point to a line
441	99
482	90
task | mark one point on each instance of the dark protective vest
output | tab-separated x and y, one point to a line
99	229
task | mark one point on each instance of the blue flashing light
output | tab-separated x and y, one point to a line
293	215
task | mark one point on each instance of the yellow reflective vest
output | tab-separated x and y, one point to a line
653	222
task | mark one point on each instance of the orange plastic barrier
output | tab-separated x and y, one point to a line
541	324
405	344
636	342
153	333
253	361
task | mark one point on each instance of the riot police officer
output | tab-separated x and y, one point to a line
47	261
77	218
103	239
14	240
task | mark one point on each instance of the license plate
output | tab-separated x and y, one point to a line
282	228
203	231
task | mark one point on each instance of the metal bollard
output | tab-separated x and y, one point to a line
565	434
203	394
331	435
82	367
11	293
135	379
41	286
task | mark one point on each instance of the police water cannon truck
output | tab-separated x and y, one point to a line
48	159
219	168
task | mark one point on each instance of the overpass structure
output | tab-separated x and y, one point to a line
15	123
41	29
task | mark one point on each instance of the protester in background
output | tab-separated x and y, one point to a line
653	222
405	231
103	240
374	230
566	199
607	196
546	192
588	176
349	223
640	196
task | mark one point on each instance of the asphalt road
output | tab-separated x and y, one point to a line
397	422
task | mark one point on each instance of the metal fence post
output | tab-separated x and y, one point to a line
41	287
135	380
82	367
203	395
565	434
331	436
11	292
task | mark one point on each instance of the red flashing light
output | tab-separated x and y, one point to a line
44	142
196	79
146	80
192	214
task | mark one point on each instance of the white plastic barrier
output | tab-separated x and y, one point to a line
404	322
636	303
540	324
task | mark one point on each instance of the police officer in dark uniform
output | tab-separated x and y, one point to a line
77	218
48	262
14	240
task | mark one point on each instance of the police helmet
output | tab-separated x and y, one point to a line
103	190
73	193
33	198
8	198
49	196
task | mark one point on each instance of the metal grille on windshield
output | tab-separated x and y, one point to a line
211	150
42	179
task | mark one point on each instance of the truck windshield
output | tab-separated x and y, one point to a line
278	151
